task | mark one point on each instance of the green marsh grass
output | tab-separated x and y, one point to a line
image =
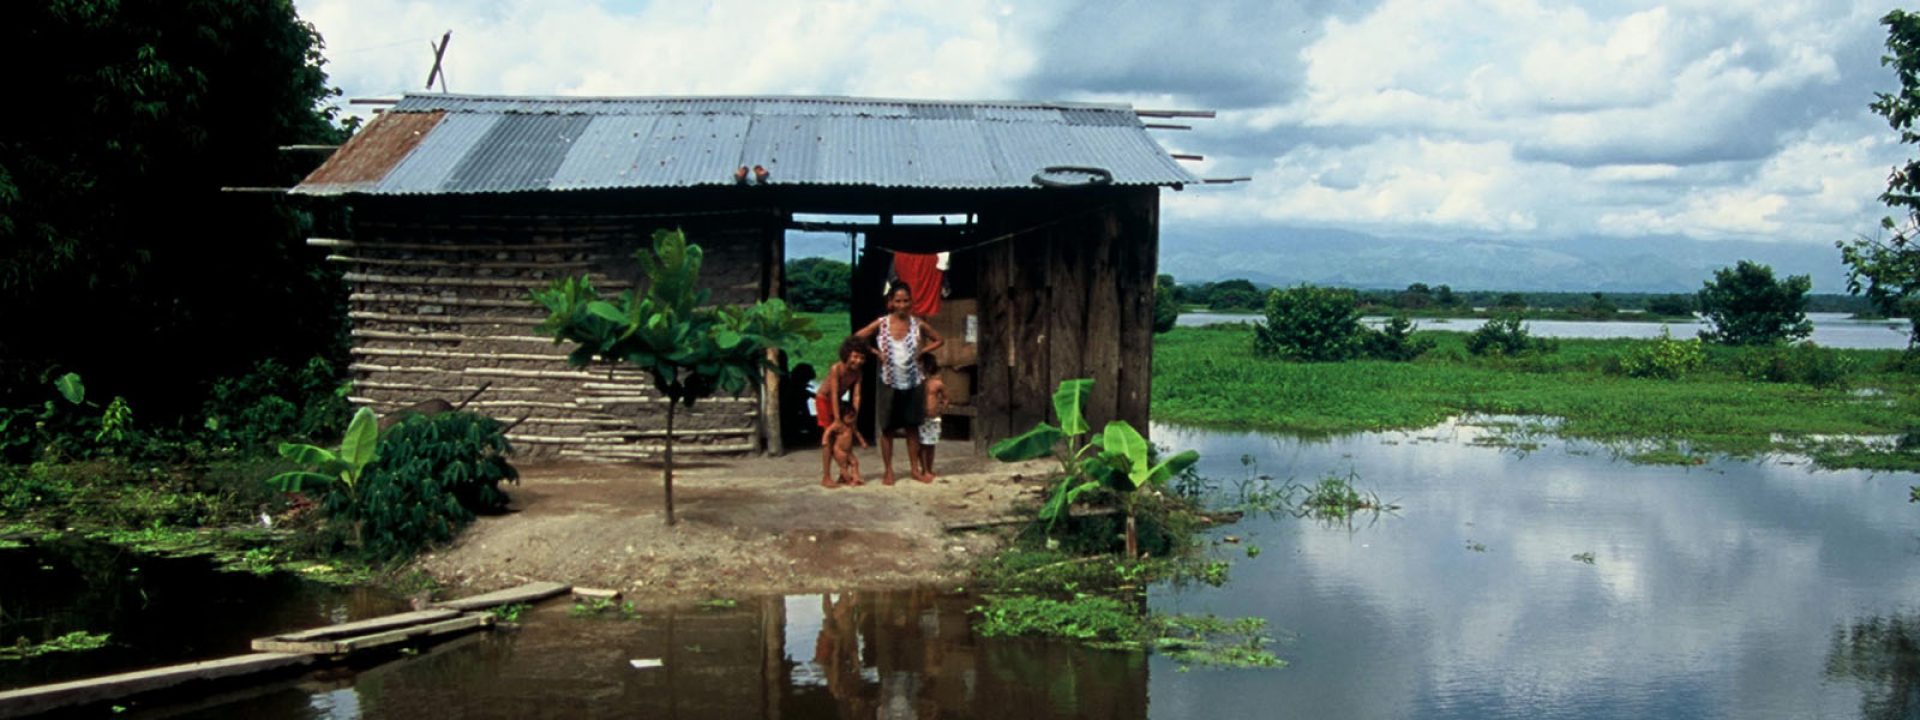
1208	376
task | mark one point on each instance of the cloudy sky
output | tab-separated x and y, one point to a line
1515	120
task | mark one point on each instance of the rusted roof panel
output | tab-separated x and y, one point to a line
477	144
372	152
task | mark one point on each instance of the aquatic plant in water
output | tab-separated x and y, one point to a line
76	641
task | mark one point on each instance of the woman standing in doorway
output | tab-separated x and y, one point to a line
899	339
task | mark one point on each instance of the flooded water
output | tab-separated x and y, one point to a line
156	610
1551	582
848	655
1836	330
1732	590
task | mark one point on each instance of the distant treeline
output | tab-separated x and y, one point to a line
1240	295
821	285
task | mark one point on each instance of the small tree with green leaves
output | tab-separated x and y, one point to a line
1744	305
689	348
1166	304
1887	270
1309	323
1117	459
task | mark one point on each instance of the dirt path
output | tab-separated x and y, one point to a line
747	526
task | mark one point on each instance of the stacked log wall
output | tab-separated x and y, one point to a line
440	307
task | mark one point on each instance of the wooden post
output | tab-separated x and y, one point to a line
773	286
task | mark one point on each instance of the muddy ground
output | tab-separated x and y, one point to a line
747	526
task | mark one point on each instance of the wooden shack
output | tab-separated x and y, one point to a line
458	206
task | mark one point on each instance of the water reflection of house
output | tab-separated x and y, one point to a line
851	655
461	204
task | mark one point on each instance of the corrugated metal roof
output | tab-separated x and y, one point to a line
372	154
476	144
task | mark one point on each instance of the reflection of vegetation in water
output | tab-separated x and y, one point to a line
76	641
604	607
1882	654
1585	557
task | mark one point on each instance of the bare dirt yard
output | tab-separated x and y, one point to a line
747	526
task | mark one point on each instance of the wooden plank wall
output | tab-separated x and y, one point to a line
1068	298
440	305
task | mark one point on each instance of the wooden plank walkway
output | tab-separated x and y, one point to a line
44	698
530	592
286	651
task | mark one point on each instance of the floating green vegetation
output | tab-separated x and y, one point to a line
1089	618
1110	623
76	641
510	612
1664	454
1476	547
719	604
1212	641
1585	557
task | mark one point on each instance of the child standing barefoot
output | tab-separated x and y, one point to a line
936	406
843	381
839	442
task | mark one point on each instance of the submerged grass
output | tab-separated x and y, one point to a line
1208	376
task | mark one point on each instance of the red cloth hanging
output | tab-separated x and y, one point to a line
922	273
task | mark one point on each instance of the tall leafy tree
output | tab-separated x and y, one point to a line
691	349
1744	305
115	239
1887	270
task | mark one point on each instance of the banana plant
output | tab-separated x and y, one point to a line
330	468
691	349
1118	458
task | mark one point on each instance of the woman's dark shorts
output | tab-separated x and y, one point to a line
906	409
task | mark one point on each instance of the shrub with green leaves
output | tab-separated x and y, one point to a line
1394	341
1663	357
274	402
433	473
1166	308
1309	323
1804	363
1506	336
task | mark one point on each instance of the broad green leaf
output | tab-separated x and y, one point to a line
606	311
1126	442
1067	402
363	435
71	388
308	454
1172	466
727	339
1065	492
1035	443
298	479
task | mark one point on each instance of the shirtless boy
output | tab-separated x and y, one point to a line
936	406
839	440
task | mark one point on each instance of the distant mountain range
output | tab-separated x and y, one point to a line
1289	256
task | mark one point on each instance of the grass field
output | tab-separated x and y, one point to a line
1207	376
